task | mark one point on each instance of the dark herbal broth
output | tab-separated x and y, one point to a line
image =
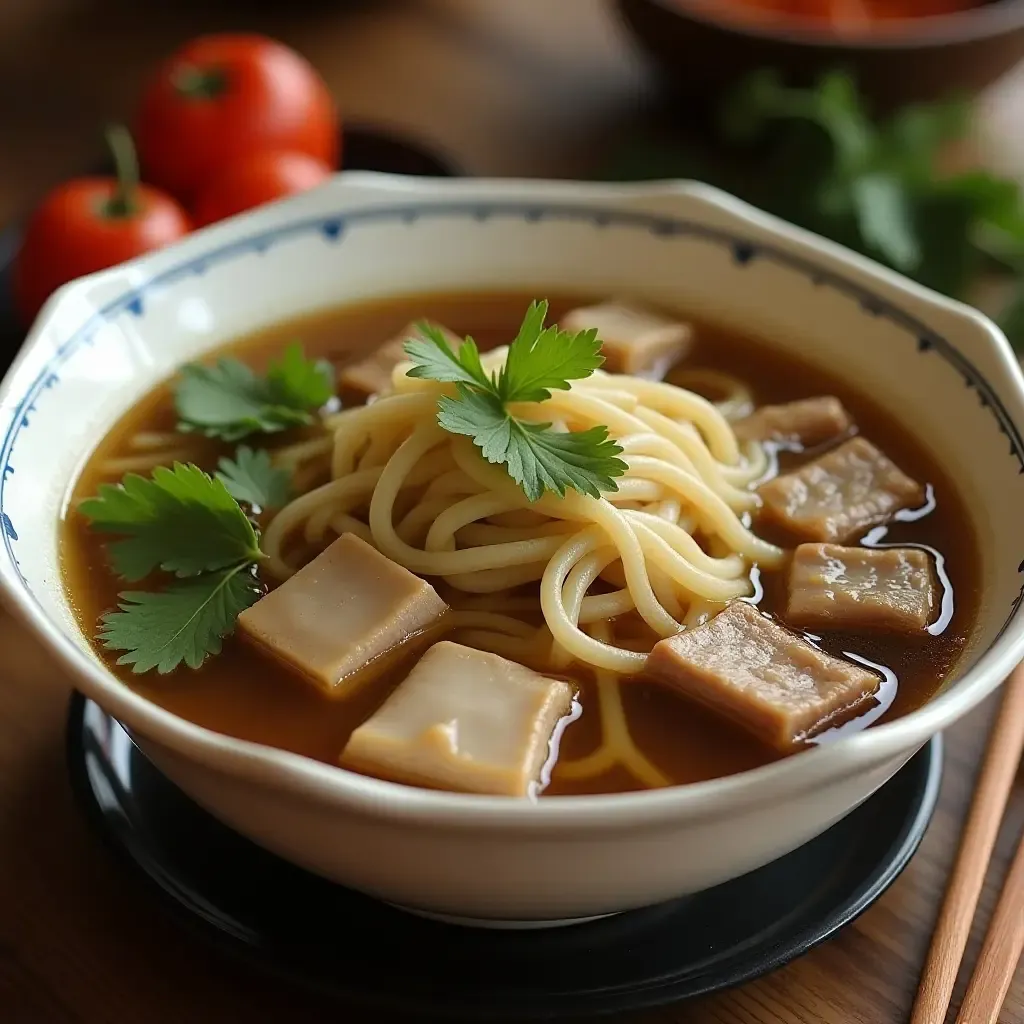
244	694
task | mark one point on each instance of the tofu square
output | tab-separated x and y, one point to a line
764	678
833	587
838	496
809	422
345	608
463	720
370	375
635	341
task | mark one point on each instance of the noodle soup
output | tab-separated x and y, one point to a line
602	602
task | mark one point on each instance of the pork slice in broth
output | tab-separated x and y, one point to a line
838	496
764	678
833	587
809	422
634	340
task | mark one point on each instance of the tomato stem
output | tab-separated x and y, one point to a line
123	202
200	83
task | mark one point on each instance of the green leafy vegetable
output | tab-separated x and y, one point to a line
297	382
434	359
545	359
537	457
817	157
871	173
540	360
186	622
181	521
229	401
252	478
184	522
882	208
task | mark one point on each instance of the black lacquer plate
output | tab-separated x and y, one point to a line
362	148
321	936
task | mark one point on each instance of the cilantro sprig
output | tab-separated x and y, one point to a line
540	360
228	400
183	522
818	157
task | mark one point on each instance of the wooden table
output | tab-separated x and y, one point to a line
532	87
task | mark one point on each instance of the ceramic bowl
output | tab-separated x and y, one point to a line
704	49
101	343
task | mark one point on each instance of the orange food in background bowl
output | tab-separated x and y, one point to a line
845	14
900	51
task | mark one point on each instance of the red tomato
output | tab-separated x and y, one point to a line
80	228
255	180
224	97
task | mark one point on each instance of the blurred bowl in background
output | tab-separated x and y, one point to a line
704	50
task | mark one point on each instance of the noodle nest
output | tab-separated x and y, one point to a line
664	552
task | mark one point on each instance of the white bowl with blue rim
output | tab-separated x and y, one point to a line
103	342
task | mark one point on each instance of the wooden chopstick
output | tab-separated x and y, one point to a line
1001	952
1005	744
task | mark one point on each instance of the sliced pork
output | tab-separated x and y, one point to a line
837	497
764	678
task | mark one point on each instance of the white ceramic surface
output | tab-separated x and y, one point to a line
102	342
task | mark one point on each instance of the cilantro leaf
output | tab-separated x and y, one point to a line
252	478
542	459
479	415
434	359
296	382
229	401
181	521
542	360
184	623
536	457
539	360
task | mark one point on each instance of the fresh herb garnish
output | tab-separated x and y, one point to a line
185	622
540	360
872	181
817	157
251	478
184	522
180	521
229	401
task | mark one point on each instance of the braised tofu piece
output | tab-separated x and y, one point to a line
372	374
463	720
339	612
764	678
831	587
840	495
809	422
633	340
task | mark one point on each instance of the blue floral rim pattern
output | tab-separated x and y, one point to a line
333	228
